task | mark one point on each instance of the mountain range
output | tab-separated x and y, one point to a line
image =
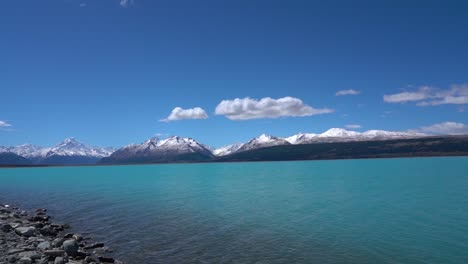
180	149
68	152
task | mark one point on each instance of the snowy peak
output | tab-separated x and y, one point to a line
173	144
25	150
226	150
301	138
263	141
343	135
66	152
382	134
339	132
70	144
182	144
173	148
72	147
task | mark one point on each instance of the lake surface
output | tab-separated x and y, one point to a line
346	211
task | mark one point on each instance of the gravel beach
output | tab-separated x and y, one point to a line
31	237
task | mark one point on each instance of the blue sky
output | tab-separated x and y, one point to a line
110	72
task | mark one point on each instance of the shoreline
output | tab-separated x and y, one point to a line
31	237
234	161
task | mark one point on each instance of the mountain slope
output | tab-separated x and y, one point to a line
10	158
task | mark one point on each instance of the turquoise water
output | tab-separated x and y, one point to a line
347	211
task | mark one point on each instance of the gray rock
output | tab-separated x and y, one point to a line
90	259
30	254
15	225
78	237
24	260
106	259
42	261
59	260
12	259
6	227
95	245
25	231
44	245
58	242
71	247
14	251
54	253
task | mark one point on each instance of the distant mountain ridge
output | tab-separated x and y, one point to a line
184	149
68	152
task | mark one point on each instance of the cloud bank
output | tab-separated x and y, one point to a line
446	128
429	96
179	113
248	108
347	92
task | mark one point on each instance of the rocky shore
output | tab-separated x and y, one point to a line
31	237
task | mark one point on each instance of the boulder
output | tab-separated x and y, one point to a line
71	247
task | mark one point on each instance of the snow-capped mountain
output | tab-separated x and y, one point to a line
174	148
384	135
263	141
72	147
70	151
226	150
25	150
301	138
339	133
343	135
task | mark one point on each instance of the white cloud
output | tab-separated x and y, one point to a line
347	92
179	113
83	5
4	124
353	126
428	96
446	128
126	3
247	108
